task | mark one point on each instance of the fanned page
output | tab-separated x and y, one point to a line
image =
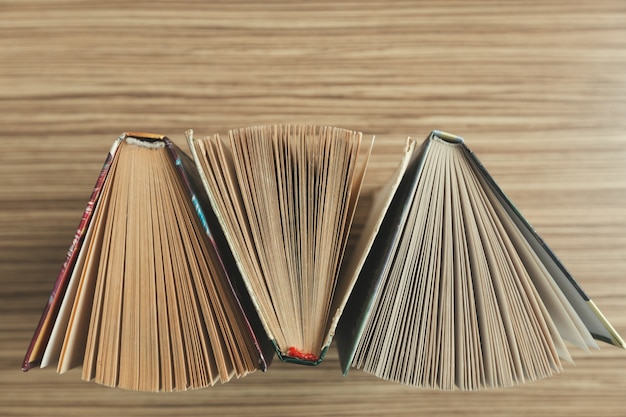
370	252
149	306
590	315
285	196
460	298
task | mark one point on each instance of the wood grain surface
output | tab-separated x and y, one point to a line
537	88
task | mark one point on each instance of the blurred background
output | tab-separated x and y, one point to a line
536	88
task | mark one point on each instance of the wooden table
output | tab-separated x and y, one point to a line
538	90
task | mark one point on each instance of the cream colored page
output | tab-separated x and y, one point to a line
336	292
346	281
584	309
256	182
357	184
378	345
53	349
376	215
288	220
469	364
243	258
73	346
534	340
567	321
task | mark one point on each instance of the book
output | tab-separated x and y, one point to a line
285	196
188	271
148	297
455	289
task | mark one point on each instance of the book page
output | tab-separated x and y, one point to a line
353	264
286	213
459	304
584	310
153	308
53	349
71	352
380	230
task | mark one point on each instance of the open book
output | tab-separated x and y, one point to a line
143	300
183	272
285	196
455	288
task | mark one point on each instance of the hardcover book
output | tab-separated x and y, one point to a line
143	300
455	289
285	196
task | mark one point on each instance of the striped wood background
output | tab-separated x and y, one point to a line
537	88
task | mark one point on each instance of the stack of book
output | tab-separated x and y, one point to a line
186	271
